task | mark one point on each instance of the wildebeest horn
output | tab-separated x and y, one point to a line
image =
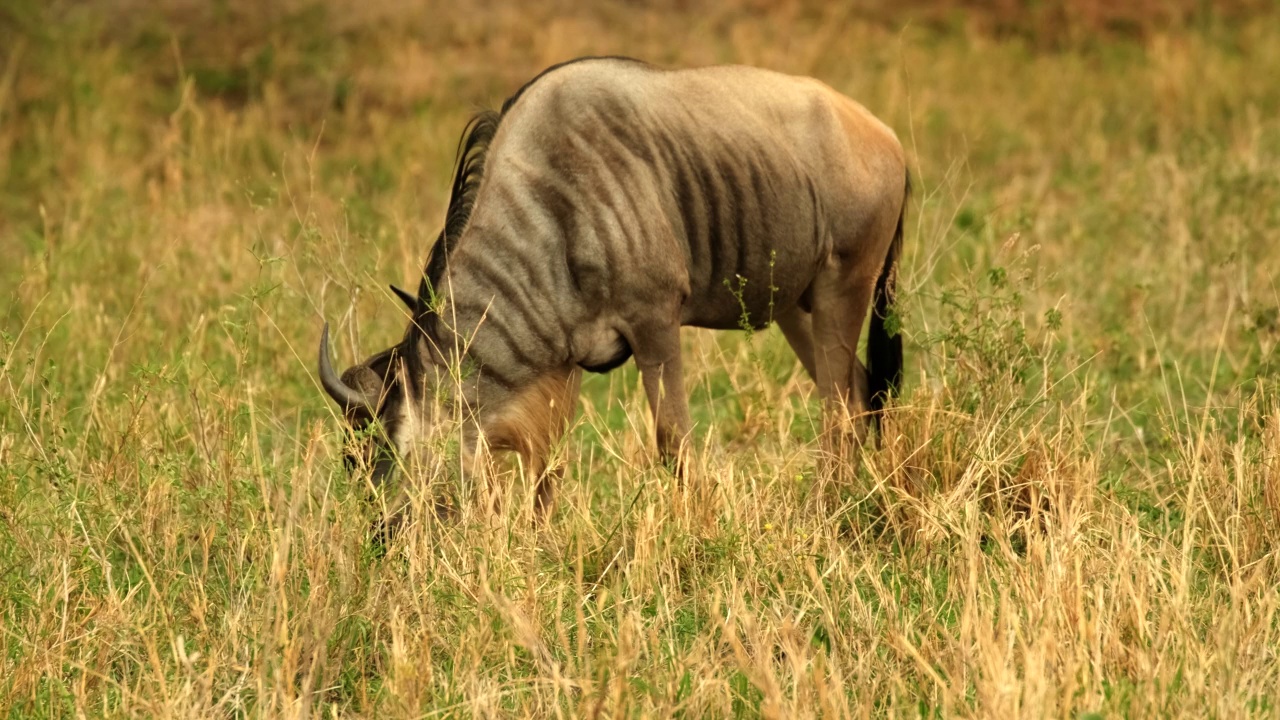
407	298
346	396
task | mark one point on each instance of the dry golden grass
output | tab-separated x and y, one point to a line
1075	511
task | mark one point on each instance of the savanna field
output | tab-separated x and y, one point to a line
1074	510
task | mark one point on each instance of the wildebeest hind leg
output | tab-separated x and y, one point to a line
839	308
797	328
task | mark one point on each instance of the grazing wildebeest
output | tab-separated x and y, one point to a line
608	204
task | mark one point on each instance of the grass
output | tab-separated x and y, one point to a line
1075	512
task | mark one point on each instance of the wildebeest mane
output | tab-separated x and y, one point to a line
469	171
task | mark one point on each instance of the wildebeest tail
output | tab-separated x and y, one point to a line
884	344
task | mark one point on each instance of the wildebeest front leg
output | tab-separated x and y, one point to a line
549	410
657	355
544	498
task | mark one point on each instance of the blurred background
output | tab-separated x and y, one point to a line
140	133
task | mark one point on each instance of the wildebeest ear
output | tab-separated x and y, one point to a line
363	379
414	304
381	366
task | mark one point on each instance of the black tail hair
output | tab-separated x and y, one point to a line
884	349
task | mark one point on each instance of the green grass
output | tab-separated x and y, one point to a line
1074	511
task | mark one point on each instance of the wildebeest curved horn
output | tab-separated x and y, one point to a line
410	300
348	397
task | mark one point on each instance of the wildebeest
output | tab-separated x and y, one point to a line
611	202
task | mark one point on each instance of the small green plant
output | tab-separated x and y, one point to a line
984	345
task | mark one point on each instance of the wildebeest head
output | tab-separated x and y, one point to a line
380	400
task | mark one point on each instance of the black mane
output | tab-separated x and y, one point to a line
473	149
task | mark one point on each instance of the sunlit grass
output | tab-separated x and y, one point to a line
1074	509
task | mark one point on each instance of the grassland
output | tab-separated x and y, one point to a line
1076	511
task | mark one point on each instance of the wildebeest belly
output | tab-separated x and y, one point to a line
753	246
752	295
